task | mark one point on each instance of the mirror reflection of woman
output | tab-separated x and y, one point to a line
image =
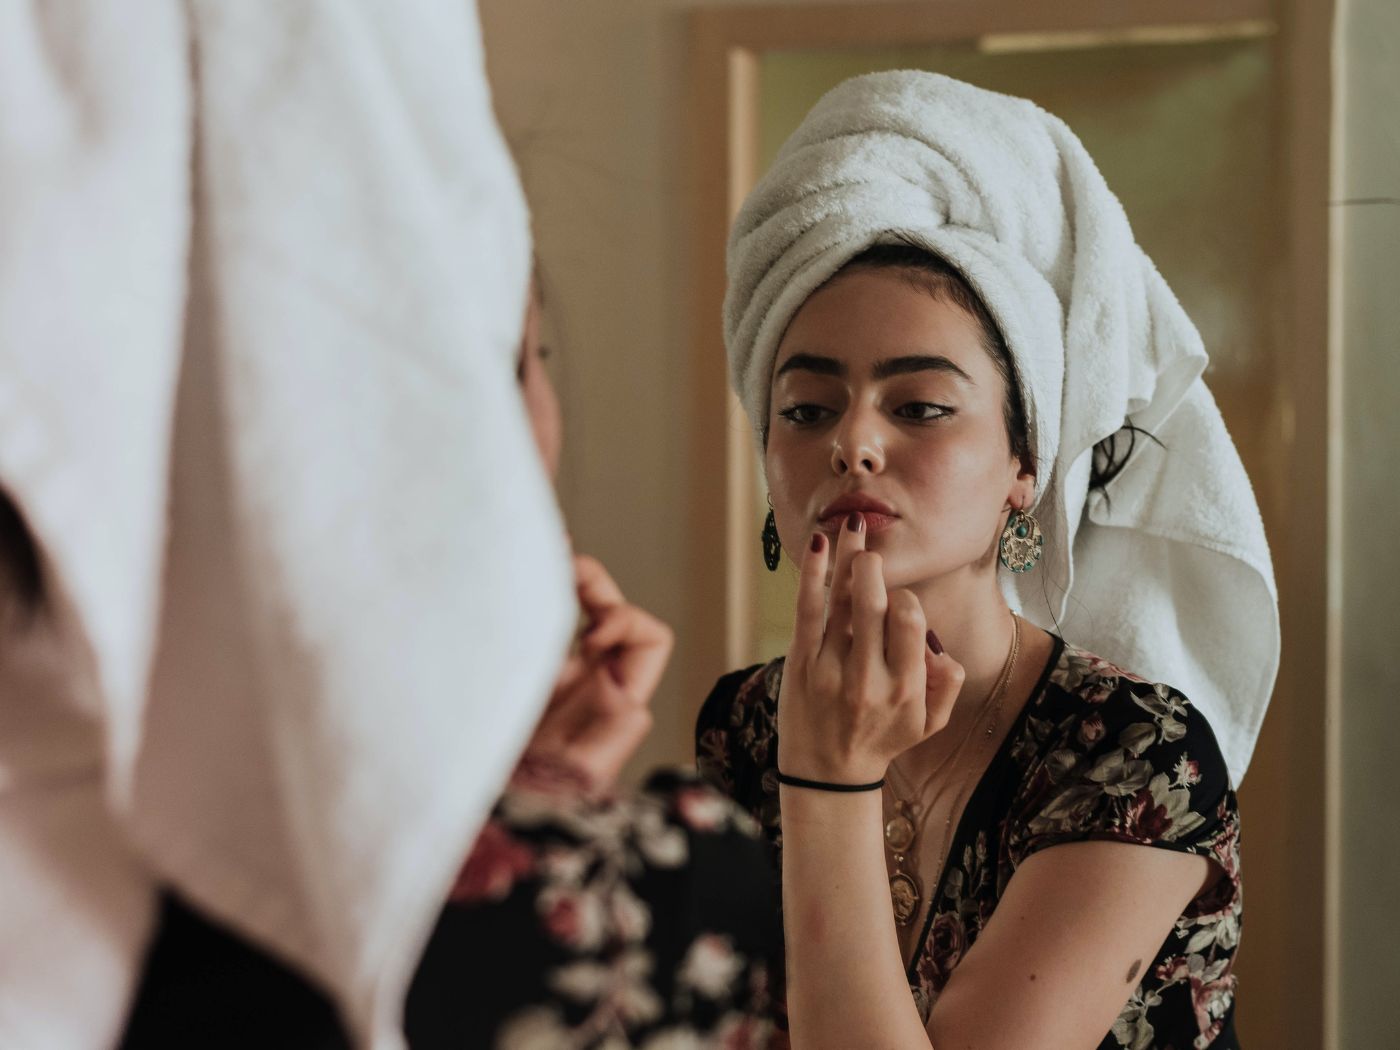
1041	846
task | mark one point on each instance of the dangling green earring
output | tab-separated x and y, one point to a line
772	546
1021	542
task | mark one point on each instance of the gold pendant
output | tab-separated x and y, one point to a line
904	893
899	831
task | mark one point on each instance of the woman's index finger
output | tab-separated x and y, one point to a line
810	613
850	541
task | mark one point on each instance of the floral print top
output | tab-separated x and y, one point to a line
647	920
1096	753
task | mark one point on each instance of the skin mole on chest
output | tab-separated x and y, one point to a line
1133	971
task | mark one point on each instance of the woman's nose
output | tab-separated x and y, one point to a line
858	448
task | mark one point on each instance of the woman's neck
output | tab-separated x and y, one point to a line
975	626
971	618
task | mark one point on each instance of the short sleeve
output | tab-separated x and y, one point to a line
1107	756
731	732
1137	763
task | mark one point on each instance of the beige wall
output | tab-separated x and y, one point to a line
1367	238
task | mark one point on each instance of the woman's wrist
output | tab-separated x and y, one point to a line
840	787
843	813
547	773
805	765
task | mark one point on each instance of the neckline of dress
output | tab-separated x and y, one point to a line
1052	663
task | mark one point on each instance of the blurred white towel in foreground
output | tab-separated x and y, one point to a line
262	271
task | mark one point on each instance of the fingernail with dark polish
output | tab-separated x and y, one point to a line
934	644
855	521
818	542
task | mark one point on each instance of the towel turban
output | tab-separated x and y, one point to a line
1167	572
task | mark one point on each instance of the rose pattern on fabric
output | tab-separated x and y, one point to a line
496	862
596	873
1097	753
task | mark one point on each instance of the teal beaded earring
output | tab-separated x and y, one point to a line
1021	542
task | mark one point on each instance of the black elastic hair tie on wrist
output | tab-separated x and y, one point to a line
822	785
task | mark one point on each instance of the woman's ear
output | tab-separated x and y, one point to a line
1023	488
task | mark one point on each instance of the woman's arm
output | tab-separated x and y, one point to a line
1065	947
1069	939
845	979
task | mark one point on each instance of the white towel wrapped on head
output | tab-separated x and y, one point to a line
1168	572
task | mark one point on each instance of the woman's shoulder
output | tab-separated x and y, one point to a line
739	697
673	878
538	824
758	683
1103	739
736	730
1095	696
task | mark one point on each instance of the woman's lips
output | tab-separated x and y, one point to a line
878	514
874	521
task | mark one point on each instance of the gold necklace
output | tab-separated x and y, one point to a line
903	828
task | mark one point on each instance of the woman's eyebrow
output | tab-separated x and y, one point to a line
822	366
884	369
898	366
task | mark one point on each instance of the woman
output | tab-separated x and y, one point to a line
582	917
949	346
643	919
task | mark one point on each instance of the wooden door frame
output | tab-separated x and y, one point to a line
1302	769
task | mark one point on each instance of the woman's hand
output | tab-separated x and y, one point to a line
866	686
600	709
856	692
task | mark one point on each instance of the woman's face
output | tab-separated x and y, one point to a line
541	402
885	402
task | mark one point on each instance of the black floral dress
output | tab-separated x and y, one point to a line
648	920
1096	753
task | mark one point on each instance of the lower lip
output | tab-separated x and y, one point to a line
874	523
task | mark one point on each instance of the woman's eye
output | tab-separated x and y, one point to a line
921	411
805	414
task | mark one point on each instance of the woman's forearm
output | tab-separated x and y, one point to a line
845	979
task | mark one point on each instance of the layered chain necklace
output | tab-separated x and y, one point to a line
904	826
